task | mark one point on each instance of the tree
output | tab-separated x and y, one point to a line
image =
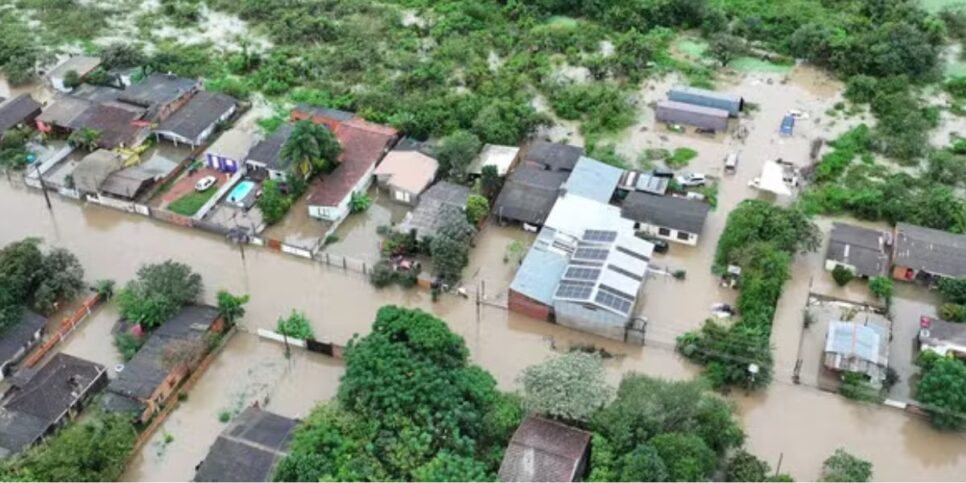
62	280
273	203
446	466
744	466
359	202
295	326
686	456
842	275
449	249
94	450
726	47
881	287
119	55
643	464
158	291
310	147
953	290
72	79
231	307
21	271
842	466
570	387
505	121
455	152
476	209
490	181
942	390
85	137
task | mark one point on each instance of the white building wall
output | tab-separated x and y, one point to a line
340	211
668	234
588	318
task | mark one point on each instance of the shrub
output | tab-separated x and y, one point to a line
127	344
952	312
680	158
295	326
881	287
842	275
359	202
856	386
476	209
842	466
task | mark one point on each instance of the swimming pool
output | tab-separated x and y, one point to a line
242	195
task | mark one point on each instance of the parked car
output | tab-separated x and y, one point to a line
788	124
660	246
731	163
204	183
691	180
798	114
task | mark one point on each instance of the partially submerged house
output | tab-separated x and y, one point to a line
593	180
330	118
163	362
80	65
249	448
529	194
545	450
708	118
668	217
160	95
118	126
41	400
406	174
94	169
942	337
502	158
265	159
864	251
438	206
861	347
927	254
17	111
552	156
194	122
229	151
61	113
19	338
731	103
363	145
128	183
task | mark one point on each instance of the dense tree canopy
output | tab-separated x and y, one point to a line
157	292
570	387
409	406
31	278
942	390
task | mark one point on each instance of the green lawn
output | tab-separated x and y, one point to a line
190	203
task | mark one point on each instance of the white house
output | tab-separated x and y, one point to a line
674	219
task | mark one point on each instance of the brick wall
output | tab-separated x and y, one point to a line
525	305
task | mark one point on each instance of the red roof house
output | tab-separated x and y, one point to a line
363	146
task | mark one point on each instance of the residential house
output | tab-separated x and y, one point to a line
16	111
160	95
927	254
531	291
528	194
709	118
552	156
249	448
330	118
647	182
94	169
19	338
81	65
62	113
545	450
363	146
171	352
265	159
942	337
731	103
503	158
405	174
40	401
229	151
128	183
669	217
864	251
593	180
861	347
438	206
197	119
118	126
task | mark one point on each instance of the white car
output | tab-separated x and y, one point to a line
691	180
204	183
798	114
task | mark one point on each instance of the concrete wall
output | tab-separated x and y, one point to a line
588	318
527	306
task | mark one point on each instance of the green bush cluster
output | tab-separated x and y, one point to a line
31	278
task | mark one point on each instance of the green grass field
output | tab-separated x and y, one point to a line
190	203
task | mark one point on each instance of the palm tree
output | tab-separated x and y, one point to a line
310	146
85	137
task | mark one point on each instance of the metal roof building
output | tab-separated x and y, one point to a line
927	252
693	115
545	450
731	103
862	250
857	347
593	179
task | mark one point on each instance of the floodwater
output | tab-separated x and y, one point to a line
797	421
358	237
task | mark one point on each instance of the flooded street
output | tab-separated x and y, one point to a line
800	422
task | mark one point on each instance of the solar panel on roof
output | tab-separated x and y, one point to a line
582	273
618	293
591	253
600	235
607	299
570	289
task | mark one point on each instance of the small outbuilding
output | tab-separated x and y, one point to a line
864	251
406	174
927	254
503	158
669	217
731	103
702	117
16	111
249	448
229	151
861	347
81	65
545	450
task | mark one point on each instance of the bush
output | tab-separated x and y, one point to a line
476	209
952	312
602	108
842	275
842	466
295	326
273	203
680	158
881	287
127	344
359	202
856	386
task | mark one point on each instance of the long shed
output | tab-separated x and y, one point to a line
703	97
681	113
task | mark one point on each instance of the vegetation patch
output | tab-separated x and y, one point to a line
190	203
680	158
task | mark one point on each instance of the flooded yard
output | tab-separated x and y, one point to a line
357	237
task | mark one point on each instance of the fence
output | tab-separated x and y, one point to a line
325	348
66	327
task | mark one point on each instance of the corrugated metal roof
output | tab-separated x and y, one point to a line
538	276
593	179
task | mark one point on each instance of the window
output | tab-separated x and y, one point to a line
664	232
402	196
683	235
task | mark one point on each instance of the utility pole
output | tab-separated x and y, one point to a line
778	467
43	187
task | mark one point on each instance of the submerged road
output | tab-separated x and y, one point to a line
801	424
